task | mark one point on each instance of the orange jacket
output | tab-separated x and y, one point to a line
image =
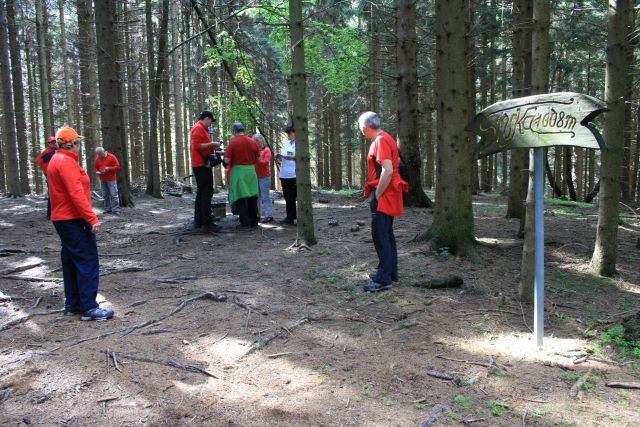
111	162
44	158
199	136
69	189
384	148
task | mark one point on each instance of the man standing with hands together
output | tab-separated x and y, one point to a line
106	165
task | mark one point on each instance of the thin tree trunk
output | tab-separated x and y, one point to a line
408	141
177	95
45	83
166	117
33	107
65	67
300	123
8	122
557	191
605	253
88	83
18	97
153	165
568	172
320	147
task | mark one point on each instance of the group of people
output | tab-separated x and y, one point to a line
247	161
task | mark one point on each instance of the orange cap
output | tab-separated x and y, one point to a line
67	134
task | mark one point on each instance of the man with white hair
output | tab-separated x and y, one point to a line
384	187
106	166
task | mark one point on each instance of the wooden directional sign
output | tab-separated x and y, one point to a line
538	121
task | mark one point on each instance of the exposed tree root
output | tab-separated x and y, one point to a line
164	362
23	319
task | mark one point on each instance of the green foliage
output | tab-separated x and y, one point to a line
325	369
496	408
615	336
443	251
421	405
459	399
368	389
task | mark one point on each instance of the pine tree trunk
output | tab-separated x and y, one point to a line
605	253
348	146
539	85
88	83
430	152
453	216
635	185
518	167
177	95
568	172
166	117
111	92
18	97
337	143
373	76
34	129
45	83
408	141
300	123
320	148
327	137
153	165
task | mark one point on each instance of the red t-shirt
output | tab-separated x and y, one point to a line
44	158
384	148
242	150
69	189
262	167
111	162
199	136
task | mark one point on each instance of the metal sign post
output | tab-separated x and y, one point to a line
537	122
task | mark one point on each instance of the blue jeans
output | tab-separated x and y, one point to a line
385	243
111	196
80	264
266	207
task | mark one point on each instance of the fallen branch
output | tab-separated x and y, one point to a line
37	303
470	421
237	301
281	330
441	375
176	279
10	298
575	388
32	278
20	269
137	269
470	362
440	410
23	319
635	386
127	331
563	366
165	362
126	254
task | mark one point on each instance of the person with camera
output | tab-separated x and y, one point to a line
241	155
201	147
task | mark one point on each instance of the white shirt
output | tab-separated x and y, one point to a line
288	167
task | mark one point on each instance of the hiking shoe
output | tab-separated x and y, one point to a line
376	287
372	276
97	313
72	311
286	221
267	220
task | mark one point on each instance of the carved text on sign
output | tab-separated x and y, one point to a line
538	121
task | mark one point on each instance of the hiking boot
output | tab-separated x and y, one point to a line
372	276
97	313
376	287
213	228
267	220
286	221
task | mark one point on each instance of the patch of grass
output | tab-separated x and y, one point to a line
326	369
564	213
583	283
561	319
496	408
388	402
329	276
629	304
368	389
349	192
626	348
564	202
358	398
442	252
421	405
459	399
570	377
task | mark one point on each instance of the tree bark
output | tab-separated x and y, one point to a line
300	123
111	92
453	216
34	129
88	83
8	122
605	253
45	83
152	161
177	96
408	141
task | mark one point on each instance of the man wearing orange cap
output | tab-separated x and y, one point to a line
106	165
43	161
77	225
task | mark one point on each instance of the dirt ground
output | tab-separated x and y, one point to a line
297	342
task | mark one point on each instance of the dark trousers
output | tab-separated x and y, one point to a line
80	264
204	192
248	211
290	194
385	243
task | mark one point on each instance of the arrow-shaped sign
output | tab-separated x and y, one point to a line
538	121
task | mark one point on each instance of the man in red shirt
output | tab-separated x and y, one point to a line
43	161
385	187
201	146
241	155
76	224
106	165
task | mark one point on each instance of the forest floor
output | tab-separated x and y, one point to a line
297	342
